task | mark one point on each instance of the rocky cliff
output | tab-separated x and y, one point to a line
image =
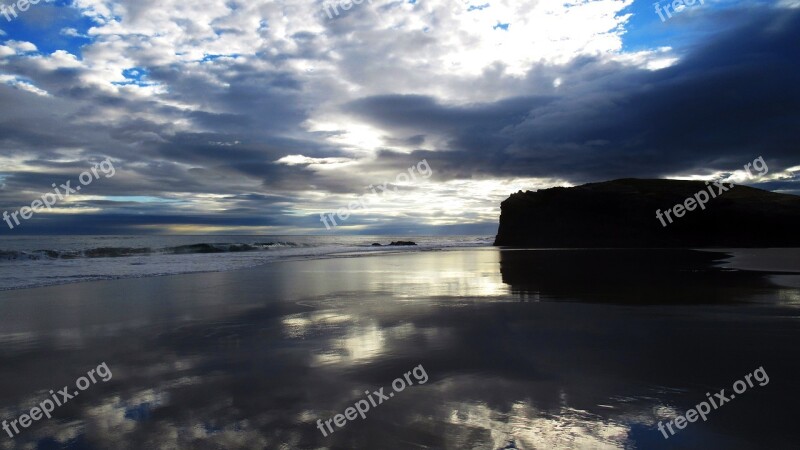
623	214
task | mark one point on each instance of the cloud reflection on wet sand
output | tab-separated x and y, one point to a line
261	354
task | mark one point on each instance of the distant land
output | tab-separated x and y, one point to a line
622	214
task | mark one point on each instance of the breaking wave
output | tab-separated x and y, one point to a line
120	252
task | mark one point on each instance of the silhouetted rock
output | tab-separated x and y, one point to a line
622	214
377	245
402	243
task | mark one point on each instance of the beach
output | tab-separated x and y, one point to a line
399	225
520	351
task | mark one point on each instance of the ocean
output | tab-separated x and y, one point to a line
35	261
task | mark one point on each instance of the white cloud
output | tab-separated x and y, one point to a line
21	46
298	160
22	85
71	32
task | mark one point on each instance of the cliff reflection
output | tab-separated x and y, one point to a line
627	276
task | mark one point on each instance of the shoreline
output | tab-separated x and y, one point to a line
328	252
776	261
744	259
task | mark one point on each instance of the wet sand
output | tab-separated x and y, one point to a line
785	260
523	349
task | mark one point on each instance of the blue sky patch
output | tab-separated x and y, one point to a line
49	26
501	26
135	76
478	7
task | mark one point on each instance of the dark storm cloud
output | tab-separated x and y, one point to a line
34	122
245	98
729	100
413	141
425	114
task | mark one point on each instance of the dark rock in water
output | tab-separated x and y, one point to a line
622	214
377	245
402	243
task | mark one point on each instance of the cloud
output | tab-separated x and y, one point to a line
229	106
726	102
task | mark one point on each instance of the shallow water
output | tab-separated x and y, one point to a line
521	349
36	261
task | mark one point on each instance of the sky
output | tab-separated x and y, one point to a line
413	117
